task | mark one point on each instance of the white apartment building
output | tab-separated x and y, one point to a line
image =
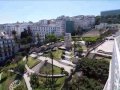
44	30
101	26
85	22
113	82
8	47
18	27
61	24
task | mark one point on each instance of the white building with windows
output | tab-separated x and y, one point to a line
44	30
85	22
18	27
8	47
113	82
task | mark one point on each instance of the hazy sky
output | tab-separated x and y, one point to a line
29	10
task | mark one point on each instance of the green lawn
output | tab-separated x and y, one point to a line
56	54
90	38
32	62
48	68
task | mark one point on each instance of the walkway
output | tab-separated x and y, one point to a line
54	76
56	63
0	79
38	66
26	77
27	80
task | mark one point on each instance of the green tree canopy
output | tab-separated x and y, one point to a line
97	69
51	38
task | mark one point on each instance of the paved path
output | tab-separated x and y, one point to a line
28	69
26	77
56	63
27	80
38	66
54	76
0	79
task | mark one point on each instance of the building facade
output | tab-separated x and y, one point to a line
69	27
113	82
85	22
8	47
18	27
110	13
44	30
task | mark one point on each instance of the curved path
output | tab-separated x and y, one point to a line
54	76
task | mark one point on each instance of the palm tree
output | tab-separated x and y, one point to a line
51	56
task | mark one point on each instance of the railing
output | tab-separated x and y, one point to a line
113	67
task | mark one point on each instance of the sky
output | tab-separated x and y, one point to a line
12	11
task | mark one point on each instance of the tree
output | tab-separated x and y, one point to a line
14	33
26	36
79	31
34	81
97	20
38	38
97	69
20	68
62	70
80	50
51	56
19	87
51	38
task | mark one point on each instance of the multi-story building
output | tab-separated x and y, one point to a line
108	26
101	26
18	27
69	26
8	47
110	12
113	82
44	30
85	22
61	24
